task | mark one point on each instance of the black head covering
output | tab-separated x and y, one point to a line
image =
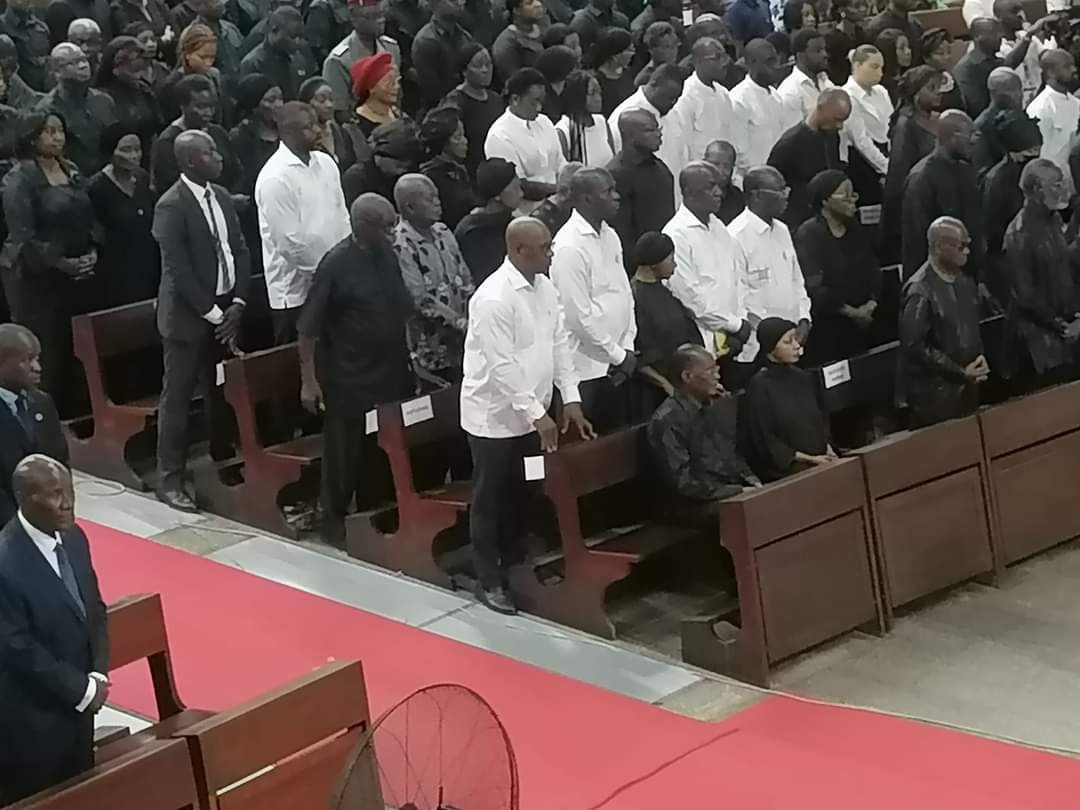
652	248
492	176
1016	131
769	332
438	127
611	41
398	139
467	52
111	136
556	63
250	92
823	185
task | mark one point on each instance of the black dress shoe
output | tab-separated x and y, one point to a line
178	500
497	599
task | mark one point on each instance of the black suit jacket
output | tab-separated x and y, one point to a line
189	263
47	651
15	444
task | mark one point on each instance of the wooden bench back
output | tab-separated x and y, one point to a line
271	375
137	631
951	19
98	337
156	776
396	440
284	750
1030	420
602	463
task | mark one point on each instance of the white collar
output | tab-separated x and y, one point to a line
44	542
194	188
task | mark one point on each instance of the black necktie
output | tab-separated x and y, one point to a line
67	575
22	413
223	266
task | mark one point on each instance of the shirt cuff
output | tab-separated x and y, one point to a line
535	411
617	354
91	693
570	395
240	301
214	316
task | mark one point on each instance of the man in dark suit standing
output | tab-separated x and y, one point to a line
28	420
204	282
54	644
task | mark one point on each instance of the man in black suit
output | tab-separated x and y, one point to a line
204	282
28	420
54	645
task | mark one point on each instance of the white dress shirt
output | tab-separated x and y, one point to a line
774	283
598	305
672	146
516	349
1058	115
1028	70
532	146
706	115
800	92
759	122
226	272
597	144
868	124
47	544
710	273
973	9
302	215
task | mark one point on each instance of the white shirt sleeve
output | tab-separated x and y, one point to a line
856	132
493	325
799	285
278	207
91	691
685	285
565	377
571	275
498	145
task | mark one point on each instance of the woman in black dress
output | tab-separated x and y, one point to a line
841	270
148	39
782	426
896	51
481	234
556	63
937	53
443	135
253	141
49	256
123	76
478	106
395	150
609	58
332	138
129	265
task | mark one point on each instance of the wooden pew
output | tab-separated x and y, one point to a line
805	566
928	493
271	377
1032	448
155	776
425	508
950	18
104	339
137	632
590	564
284	750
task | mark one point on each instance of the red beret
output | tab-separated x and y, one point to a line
367	72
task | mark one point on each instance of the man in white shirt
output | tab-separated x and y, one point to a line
704	108
800	90
774	284
759	112
710	266
659	97
516	349
55	642
526	138
1015	34
1057	110
587	270
302	215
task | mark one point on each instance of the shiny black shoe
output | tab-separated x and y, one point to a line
178	500
497	599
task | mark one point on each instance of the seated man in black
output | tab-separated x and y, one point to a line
692	434
783	427
941	359
28	420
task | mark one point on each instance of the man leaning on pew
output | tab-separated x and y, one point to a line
692	436
54	644
516	348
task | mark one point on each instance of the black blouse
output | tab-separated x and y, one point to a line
663	325
129	265
481	235
455	189
476	118
615	91
252	152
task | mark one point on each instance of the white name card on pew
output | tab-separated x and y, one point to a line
417	410
534	468
219	374
371	422
836	374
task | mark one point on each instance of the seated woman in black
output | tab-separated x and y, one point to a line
663	323
843	277
782	427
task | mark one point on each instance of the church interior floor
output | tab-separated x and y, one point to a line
1001	662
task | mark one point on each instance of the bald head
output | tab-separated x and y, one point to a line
954	133
762	62
832	109
1059	69
528	246
82	28
1006	92
949	244
197	156
696	175
592	192
43	491
15	338
1044	186
417	200
69	63
372	217
20	367
986	34
640	131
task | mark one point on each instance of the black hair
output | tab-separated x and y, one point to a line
310	87
792	15
666	73
29	127
802	38
190	85
522	79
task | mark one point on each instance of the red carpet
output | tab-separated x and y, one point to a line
235	635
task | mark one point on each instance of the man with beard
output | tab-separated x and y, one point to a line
1056	109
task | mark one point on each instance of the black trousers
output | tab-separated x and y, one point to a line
353	467
502	502
284	323
190	367
606	406
67	758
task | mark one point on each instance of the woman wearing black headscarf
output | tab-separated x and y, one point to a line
609	58
782	426
129	265
481	235
443	135
843	278
255	138
477	105
395	150
124	77
937	50
555	63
